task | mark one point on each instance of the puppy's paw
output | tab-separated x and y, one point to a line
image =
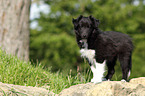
123	80
96	80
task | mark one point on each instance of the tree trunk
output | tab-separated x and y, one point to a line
14	27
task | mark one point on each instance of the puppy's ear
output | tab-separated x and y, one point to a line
76	21
80	17
95	22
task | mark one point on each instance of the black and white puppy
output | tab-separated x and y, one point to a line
103	48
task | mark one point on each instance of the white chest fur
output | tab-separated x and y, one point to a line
89	54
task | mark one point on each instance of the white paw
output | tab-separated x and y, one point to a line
108	80
123	80
96	80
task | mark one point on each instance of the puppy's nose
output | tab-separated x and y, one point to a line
84	36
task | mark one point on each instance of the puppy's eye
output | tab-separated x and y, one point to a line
77	32
88	26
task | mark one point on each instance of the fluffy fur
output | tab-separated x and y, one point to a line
103	47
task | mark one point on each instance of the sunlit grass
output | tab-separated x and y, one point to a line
15	71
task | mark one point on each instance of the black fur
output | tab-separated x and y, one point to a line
108	45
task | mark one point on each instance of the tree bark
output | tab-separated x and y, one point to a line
14	27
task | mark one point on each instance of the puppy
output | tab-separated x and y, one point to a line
103	48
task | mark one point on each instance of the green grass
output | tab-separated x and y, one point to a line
15	71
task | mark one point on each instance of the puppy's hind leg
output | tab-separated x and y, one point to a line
125	61
111	70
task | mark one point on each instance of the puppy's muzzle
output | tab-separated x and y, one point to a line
84	36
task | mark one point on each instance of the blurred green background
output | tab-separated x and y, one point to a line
53	44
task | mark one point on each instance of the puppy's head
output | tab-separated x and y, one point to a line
84	26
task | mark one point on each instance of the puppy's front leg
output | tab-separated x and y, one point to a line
93	71
98	72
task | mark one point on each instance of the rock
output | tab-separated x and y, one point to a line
140	80
136	87
17	90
